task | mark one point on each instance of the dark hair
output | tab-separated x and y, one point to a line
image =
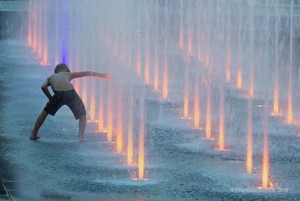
61	67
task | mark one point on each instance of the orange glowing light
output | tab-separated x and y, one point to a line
186	95
265	168
120	126
156	76
130	144
290	115
45	42
40	41
249	139
147	69
208	112
165	81
221	123
141	159
239	81
101	112
29	24
109	115
34	28
197	104
84	93
92	107
130	132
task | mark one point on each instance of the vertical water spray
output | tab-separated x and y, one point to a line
276	79
228	52
265	157
165	89
208	109
239	79
181	31
156	57
221	121
138	48
130	130
186	93
40	28
141	158
251	87
45	42
197	111
249	138
228	63
101	110
290	116
109	113
190	27
120	122
265	169
30	13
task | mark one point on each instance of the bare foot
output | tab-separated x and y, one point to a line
34	137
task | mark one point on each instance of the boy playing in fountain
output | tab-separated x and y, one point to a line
64	94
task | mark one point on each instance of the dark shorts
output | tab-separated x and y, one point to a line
69	98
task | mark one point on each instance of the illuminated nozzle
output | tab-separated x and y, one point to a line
141	159
221	123
228	70
239	79
249	139
197	104
208	112
165	80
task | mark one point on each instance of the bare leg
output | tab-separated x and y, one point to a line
39	122
82	122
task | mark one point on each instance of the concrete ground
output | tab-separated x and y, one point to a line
59	167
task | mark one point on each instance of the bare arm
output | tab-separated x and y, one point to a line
89	73
45	88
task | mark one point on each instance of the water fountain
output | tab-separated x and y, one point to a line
221	66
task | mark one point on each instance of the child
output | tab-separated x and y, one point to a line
64	94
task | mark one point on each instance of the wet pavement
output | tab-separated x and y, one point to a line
59	167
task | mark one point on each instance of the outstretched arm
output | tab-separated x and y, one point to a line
45	88
89	73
